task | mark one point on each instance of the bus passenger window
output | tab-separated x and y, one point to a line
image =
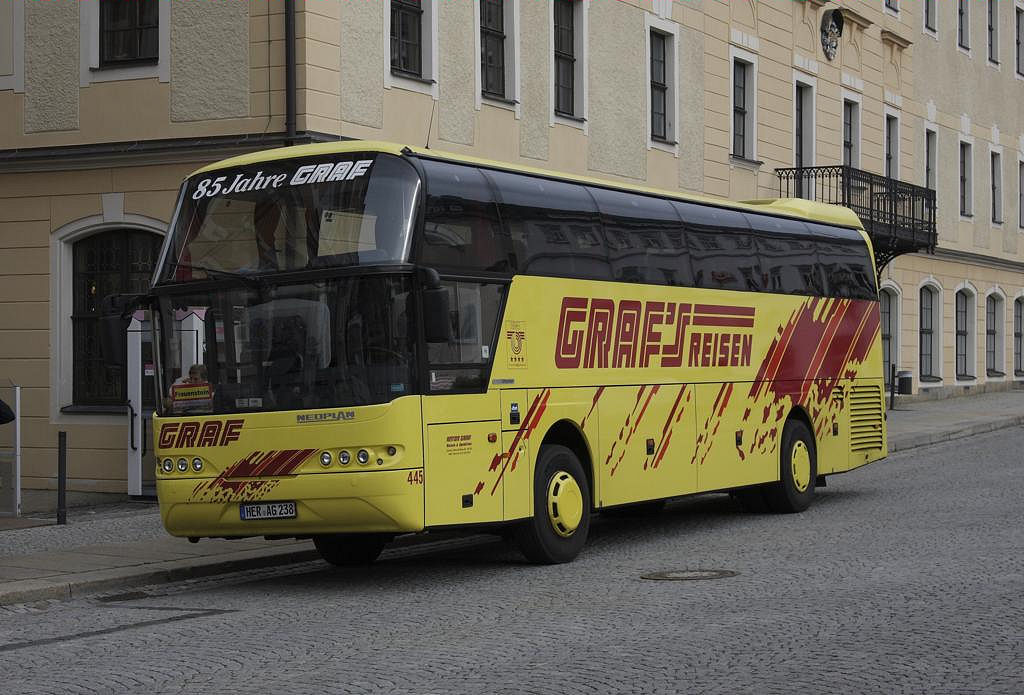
460	364
461	229
553	225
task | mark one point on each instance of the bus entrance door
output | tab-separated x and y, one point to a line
141	472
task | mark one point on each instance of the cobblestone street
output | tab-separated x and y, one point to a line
905	576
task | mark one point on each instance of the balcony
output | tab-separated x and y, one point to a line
898	216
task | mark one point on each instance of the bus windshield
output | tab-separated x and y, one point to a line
293	214
270	347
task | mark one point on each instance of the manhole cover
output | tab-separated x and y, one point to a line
689	575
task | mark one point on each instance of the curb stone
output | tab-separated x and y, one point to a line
913	441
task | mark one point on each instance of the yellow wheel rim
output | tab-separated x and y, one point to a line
800	461
565	504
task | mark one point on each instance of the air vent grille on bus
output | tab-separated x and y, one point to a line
865	418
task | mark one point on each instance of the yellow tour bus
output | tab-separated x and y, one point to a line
388	340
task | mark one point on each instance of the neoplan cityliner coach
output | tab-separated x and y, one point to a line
395	339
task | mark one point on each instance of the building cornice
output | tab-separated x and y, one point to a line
142	152
894	38
856	18
979	259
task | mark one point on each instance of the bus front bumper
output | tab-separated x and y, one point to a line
348	502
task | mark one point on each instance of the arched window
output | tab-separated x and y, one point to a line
886	303
994	336
1018	337
928	335
964	335
118	261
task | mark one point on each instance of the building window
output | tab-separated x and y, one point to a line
659	85
893	5
111	262
740	113
565	58
929	15
885	300
1018	337
129	32
929	159
993	336
926	334
966	196
963	335
1020	41
851	133
492	48
892	147
407	38
996	175
803	135
963	24
993	31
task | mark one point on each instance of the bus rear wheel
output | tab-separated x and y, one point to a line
798	470
351	550
558	528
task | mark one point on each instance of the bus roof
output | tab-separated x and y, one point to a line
787	207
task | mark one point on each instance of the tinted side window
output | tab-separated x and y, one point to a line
461	227
554	227
847	270
722	248
645	238
789	257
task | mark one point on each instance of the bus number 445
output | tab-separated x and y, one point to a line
415	478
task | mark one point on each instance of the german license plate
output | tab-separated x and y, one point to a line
267	510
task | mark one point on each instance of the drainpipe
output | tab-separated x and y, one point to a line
289	70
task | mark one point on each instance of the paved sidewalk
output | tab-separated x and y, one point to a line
100	551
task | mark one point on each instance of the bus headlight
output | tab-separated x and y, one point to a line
167	465
182	465
344	457
197	464
325	458
363	457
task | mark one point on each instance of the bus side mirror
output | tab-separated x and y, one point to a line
436	310
115	317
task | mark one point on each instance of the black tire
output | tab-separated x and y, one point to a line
351	550
751	499
539	538
794	491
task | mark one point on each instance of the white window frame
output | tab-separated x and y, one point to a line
856	98
90	71
930	129
1020	191
1000	333
428	34
1018	55
670	30
513	66
810	138
937	301
967	23
934	33
581	48
897	115
969	141
996	185
891	11
895	316
16	80
62	300
750	60
972	333
1012	369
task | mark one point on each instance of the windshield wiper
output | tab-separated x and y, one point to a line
256	281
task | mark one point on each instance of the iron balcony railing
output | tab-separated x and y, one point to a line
899	216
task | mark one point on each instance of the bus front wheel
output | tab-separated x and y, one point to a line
799	470
351	550
558	528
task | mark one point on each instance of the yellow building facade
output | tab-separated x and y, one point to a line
103	113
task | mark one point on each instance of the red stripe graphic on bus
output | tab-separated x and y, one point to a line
508	460
235	481
669	427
